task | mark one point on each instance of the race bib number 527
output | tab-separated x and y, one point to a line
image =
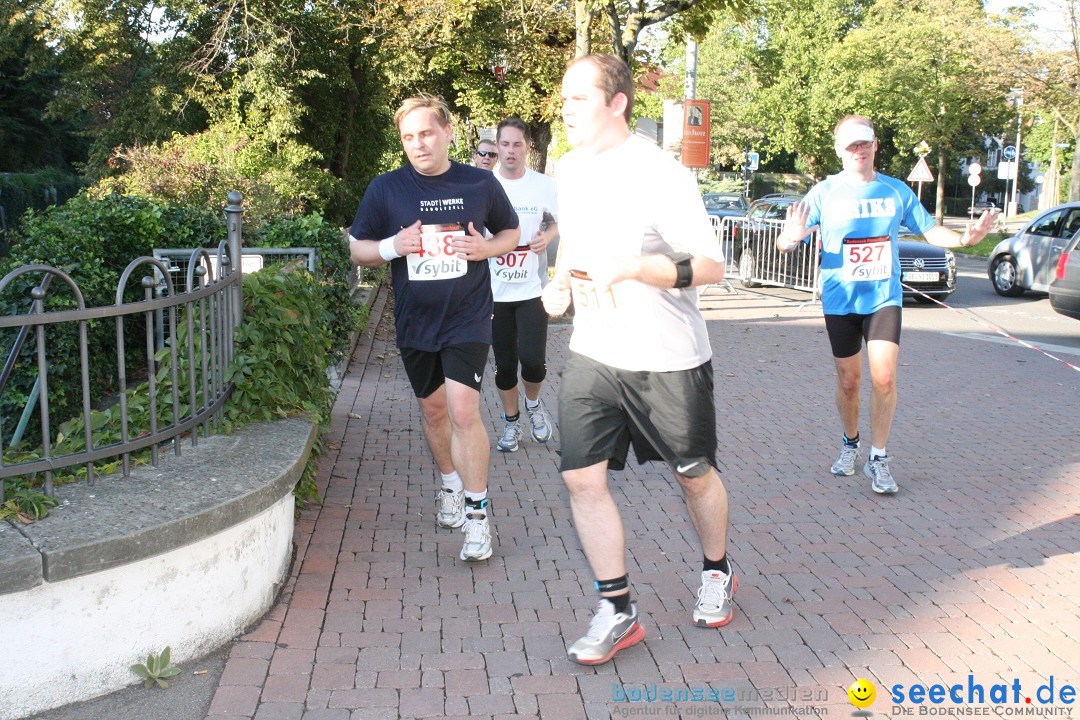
867	259
436	259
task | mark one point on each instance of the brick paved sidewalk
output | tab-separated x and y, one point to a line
971	568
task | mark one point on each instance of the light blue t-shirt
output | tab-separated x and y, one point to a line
859	225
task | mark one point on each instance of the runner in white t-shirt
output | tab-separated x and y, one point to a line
860	212
519	324
635	241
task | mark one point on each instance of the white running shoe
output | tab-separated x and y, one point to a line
714	607
609	632
881	479
845	463
541	422
511	436
477	529
450	508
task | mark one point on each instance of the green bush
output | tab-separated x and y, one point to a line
93	240
278	177
279	369
334	269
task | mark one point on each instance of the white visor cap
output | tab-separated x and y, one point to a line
852	132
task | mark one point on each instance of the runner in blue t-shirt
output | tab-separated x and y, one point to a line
859	212
427	220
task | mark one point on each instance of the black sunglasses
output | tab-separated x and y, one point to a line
487	153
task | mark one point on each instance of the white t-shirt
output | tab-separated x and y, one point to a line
634	199
521	274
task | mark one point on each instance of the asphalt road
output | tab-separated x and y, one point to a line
976	312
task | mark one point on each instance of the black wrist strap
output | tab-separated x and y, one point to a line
684	276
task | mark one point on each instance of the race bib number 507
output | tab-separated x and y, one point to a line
867	259
436	259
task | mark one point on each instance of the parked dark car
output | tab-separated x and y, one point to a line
981	206
926	270
1027	260
1065	288
725	204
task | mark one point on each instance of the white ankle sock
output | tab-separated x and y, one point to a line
532	404
876	452
452	482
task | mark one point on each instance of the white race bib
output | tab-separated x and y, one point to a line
586	296
517	266
436	259
867	259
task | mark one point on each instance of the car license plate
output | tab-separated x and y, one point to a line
920	277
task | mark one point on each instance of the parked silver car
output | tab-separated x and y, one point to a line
1065	289
1028	260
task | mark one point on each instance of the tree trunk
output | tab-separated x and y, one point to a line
583	16
1074	176
340	166
939	200
541	137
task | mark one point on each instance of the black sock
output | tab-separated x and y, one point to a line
512	418
720	565
621	602
851	442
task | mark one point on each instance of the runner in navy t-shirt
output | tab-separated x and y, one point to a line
427	220
860	212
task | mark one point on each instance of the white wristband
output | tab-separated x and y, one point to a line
387	250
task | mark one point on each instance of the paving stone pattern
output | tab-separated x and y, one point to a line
971	569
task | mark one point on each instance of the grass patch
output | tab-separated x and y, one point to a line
983	248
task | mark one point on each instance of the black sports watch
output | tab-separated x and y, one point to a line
684	270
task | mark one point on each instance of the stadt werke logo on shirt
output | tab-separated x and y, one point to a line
442	204
858	208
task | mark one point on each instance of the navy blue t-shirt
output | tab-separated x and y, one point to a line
432	314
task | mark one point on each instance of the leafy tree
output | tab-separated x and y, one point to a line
28	80
1048	71
917	68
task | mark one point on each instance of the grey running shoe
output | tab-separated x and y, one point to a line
477	529
881	479
609	632
511	436
845	463
450	508
714	607
541	422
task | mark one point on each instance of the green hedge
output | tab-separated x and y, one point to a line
94	240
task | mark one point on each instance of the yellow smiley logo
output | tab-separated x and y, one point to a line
861	693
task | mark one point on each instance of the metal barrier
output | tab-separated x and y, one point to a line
759	262
210	310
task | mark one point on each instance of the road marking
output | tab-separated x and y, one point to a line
1060	349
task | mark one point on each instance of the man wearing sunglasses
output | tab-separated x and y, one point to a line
485	155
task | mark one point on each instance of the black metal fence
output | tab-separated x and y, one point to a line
187	376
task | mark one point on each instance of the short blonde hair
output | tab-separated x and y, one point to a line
435	103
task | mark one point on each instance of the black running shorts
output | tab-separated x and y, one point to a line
847	332
668	416
428	371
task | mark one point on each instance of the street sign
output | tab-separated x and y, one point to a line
1009	152
695	139
974	169
1007	170
974	180
752	159
921	173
